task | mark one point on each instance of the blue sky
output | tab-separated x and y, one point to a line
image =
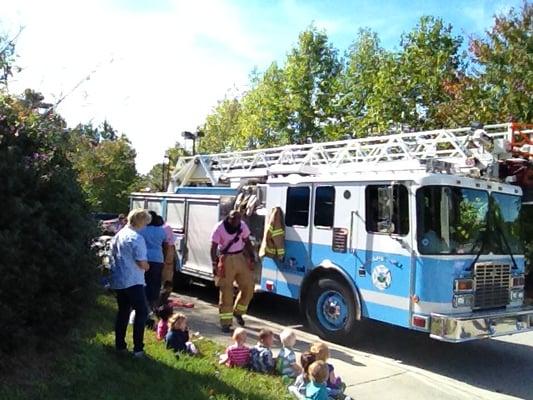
158	67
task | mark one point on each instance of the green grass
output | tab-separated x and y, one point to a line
85	366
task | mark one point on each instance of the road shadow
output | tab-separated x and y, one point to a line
493	365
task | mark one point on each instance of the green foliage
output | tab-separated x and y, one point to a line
87	367
45	228
284	105
506	66
357	87
311	73
429	62
7	55
221	128
264	118
427	83
105	163
154	179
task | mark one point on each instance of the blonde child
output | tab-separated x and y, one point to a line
286	364
334	384
238	354
178	336
298	387
316	388
261	359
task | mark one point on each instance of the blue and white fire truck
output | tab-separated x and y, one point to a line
415	229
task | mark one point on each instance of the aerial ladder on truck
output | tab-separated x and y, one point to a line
496	152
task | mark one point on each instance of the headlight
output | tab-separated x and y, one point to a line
463	300
517	295
518	281
463	285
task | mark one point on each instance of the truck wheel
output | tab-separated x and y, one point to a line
330	310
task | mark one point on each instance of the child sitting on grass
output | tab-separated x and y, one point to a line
238	354
178	337
316	388
286	364
335	386
261	359
163	313
298	387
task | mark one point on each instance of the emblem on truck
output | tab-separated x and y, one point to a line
381	277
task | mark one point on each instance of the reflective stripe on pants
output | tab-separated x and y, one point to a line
235	269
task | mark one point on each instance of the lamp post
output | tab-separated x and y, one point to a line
194	136
164	175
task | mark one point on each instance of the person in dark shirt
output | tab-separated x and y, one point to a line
178	337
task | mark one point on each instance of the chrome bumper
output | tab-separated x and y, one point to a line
464	327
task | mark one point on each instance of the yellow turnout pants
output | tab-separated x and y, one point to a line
235	270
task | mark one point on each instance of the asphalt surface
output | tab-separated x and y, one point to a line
391	362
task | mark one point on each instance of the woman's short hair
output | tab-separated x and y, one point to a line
157	220
139	217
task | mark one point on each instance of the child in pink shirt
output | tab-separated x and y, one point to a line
164	313
238	354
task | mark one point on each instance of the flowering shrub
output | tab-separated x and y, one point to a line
46	266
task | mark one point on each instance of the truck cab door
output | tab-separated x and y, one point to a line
384	252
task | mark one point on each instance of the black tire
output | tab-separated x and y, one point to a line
327	288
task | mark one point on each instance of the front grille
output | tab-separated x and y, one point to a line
492	283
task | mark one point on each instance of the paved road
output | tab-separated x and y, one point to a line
395	363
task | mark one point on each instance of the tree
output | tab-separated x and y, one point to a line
105	163
7	56
48	269
505	66
430	61
311	71
366	59
222	128
265	114
157	179
153	180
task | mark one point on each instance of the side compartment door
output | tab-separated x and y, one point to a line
297	233
176	220
201	217
383	254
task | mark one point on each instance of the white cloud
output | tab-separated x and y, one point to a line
155	73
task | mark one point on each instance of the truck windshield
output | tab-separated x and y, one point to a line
451	220
505	221
454	220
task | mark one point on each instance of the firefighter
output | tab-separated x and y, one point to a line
233	259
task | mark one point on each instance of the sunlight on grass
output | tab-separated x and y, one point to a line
87	367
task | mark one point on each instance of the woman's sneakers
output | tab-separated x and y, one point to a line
138	354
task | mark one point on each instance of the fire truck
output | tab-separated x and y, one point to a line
416	229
